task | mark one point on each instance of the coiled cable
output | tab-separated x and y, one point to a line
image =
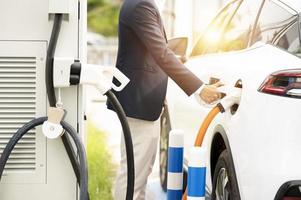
70	131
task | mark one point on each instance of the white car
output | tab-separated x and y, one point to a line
253	148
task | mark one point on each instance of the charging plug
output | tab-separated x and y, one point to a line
101	77
233	95
67	72
230	96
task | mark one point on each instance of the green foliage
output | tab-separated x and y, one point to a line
101	169
95	3
103	17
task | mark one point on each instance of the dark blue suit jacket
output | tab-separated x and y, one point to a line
143	56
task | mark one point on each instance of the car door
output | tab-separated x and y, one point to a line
229	25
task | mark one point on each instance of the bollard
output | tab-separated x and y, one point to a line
196	174
175	165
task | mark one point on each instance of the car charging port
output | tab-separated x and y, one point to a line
235	107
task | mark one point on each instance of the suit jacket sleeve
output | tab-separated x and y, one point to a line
144	22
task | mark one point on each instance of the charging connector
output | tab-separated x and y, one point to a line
101	78
68	72
232	96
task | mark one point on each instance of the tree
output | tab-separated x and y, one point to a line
103	16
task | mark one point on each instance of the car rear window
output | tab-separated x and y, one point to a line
278	25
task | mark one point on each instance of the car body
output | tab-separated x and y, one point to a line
261	135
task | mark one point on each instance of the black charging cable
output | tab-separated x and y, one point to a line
58	18
128	144
83	170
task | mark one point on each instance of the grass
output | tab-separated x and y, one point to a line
101	168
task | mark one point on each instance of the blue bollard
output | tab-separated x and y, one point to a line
196	185
175	165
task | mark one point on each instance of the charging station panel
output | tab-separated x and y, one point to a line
38	168
22	66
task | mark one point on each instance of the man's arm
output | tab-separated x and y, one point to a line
144	22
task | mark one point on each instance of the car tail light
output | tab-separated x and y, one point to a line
283	83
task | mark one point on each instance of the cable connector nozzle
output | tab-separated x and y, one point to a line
101	77
232	97
67	72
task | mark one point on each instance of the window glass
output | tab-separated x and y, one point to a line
210	39
273	21
238	32
290	40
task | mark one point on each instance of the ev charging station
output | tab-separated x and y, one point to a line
40	98
38	168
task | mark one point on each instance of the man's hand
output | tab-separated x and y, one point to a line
210	94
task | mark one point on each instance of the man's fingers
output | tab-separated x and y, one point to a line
218	84
210	93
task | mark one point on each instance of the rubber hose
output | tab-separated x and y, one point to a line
74	135
128	144
202	132
84	194
58	18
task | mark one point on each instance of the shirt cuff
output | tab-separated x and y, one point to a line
198	91
197	94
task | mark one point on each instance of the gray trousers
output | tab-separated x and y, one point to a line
145	136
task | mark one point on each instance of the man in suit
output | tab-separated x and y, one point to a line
143	56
